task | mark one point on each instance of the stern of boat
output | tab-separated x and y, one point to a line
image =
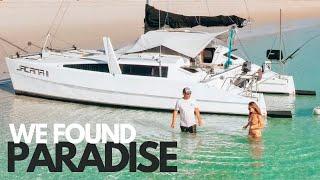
273	83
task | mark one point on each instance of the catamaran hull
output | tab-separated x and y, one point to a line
91	96
277	84
103	89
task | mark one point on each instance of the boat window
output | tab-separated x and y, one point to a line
192	70
232	57
142	70
89	67
208	54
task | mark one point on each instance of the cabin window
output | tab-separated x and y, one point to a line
143	70
208	54
232	57
192	70
89	67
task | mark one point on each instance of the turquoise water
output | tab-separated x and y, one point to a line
289	148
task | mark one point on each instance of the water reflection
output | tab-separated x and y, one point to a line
256	151
190	142
256	147
280	102
220	147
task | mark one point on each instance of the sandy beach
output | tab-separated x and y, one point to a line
84	22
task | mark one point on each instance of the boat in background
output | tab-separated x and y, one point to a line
218	58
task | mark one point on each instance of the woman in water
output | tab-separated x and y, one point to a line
255	121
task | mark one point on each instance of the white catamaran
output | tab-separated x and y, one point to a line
151	72
140	77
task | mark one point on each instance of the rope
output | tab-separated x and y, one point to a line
208	7
13	45
283	45
61	20
243	47
61	40
55	17
247	9
274	42
299	48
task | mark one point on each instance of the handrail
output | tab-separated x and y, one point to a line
211	77
40	53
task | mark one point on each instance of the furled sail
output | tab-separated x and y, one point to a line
151	20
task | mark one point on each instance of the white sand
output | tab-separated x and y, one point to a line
86	21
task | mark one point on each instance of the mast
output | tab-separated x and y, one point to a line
280	36
280	40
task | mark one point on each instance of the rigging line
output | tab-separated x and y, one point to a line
283	44
273	44
168	7
14	45
247	9
34	45
232	20
248	14
61	40
61	20
55	17
26	47
208	7
243	47
300	47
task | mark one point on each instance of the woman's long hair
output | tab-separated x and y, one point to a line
257	111
255	107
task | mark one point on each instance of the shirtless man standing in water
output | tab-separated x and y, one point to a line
189	112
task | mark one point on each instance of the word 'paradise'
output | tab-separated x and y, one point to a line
65	151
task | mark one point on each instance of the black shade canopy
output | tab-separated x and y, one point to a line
151	20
